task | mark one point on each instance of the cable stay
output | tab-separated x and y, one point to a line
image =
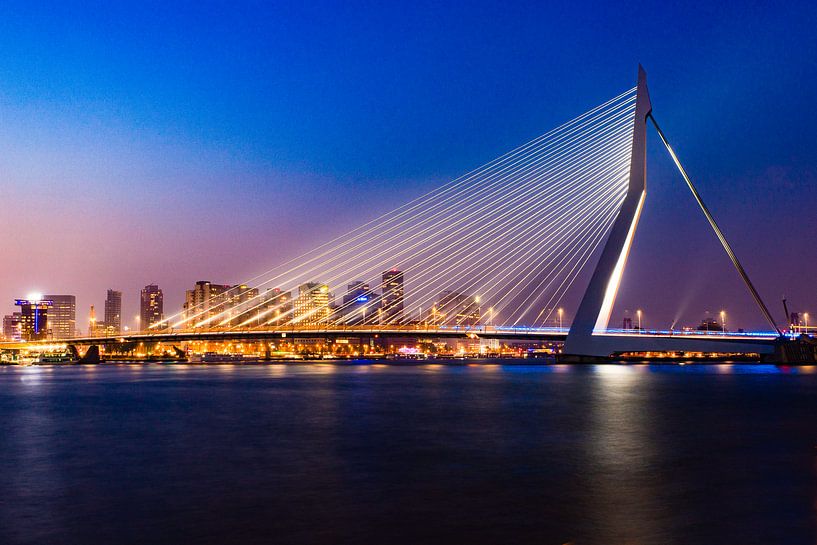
721	237
510	238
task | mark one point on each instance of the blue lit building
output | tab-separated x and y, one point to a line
360	305
34	318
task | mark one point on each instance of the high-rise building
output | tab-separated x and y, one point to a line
33	318
360	305
93	326
277	307
97	328
456	309
392	298
113	312
204	302
356	289
312	304
244	308
12	327
151	306
62	316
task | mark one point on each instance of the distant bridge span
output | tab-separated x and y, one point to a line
278	334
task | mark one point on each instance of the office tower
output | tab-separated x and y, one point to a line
62	316
312	304
33	317
456	309
360	305
151	306
277	307
243	307
204	304
113	312
12	328
392	298
355	290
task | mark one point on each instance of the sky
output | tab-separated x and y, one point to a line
173	142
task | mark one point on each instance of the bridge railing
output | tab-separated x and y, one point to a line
367	328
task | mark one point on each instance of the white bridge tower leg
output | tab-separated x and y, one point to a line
597	304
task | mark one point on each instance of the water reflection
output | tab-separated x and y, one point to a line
428	453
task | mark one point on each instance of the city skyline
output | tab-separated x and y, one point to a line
97	138
224	306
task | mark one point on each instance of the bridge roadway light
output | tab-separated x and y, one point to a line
723	321
805	317
638	313
561	311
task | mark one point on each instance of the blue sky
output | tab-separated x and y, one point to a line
171	142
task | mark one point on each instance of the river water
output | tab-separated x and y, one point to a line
408	454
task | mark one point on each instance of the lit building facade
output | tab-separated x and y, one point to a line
244	308
392	298
151	306
94	326
360	305
203	303
113	312
277	307
12	327
62	316
33	318
456	309
312	304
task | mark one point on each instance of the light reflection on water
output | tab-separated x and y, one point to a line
423	453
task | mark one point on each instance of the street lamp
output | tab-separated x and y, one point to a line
723	321
561	311
805	317
638	313
490	315
138	323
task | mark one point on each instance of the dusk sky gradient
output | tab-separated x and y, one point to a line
173	142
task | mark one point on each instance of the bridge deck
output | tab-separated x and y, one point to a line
538	334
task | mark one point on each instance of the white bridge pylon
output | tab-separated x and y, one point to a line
588	335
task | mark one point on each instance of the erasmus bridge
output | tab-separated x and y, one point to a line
518	231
